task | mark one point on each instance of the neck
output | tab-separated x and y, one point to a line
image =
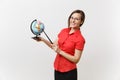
72	30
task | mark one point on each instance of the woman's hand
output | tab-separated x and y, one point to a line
56	48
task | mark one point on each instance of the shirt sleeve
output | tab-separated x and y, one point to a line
80	44
61	32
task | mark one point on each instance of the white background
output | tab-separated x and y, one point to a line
22	58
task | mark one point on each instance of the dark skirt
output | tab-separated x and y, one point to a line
70	75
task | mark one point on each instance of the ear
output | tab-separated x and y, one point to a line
81	22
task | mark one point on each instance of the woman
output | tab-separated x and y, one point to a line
68	46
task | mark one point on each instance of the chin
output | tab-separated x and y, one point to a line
73	26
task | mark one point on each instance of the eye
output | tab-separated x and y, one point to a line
74	18
71	18
77	19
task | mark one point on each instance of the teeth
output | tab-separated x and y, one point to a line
73	24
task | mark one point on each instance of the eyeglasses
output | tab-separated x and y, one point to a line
76	19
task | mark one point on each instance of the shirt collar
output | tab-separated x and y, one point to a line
76	32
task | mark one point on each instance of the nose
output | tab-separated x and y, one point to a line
72	19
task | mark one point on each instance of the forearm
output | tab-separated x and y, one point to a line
71	58
47	42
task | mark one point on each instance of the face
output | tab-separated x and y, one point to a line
75	20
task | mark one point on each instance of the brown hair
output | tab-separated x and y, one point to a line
82	16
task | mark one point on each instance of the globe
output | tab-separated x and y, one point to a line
37	27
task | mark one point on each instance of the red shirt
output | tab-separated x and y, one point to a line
68	43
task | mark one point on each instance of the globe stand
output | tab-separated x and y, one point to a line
36	38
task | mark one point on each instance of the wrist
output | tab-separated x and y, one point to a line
42	39
59	51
